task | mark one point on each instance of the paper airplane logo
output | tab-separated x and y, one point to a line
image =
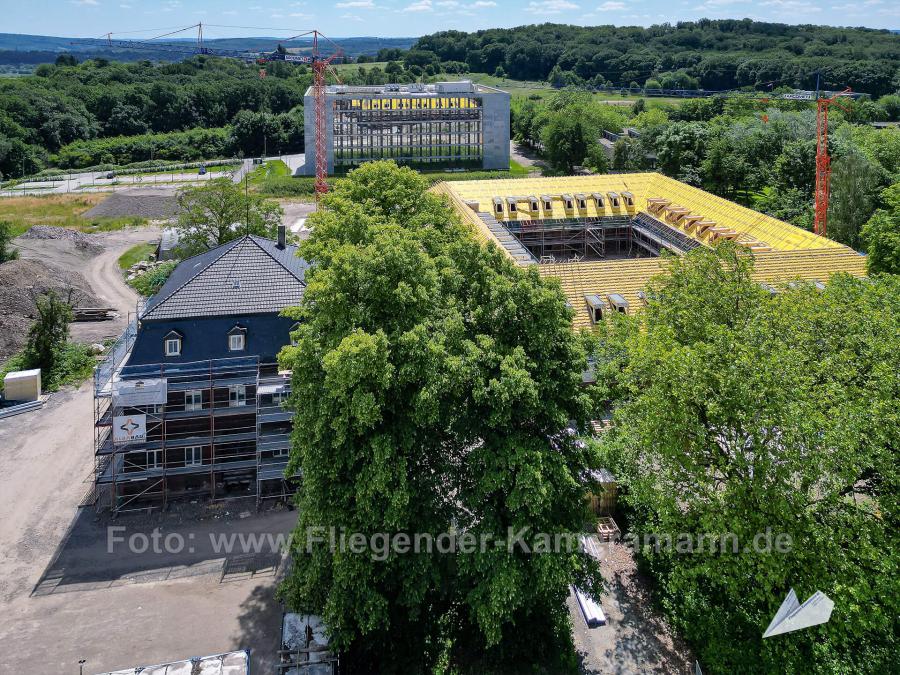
793	616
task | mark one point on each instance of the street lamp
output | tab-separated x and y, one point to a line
81	663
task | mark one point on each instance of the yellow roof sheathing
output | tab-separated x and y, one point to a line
627	277
750	225
795	253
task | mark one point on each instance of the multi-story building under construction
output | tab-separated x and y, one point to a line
188	403
446	124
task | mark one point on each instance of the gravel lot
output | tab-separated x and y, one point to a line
151	203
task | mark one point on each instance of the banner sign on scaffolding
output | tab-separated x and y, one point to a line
130	393
129	429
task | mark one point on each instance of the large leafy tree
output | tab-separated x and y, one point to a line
433	385
216	213
881	234
737	412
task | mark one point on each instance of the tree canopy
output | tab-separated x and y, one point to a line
740	413
712	54
215	213
434	385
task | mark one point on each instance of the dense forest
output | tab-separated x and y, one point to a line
713	55
65	110
101	112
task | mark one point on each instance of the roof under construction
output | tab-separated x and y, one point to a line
661	212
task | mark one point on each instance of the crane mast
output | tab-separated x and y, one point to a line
823	161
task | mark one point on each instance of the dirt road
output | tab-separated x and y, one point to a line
63	597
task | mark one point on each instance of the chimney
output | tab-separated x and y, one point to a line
282	236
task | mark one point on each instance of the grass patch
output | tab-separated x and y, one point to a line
288	186
59	210
274	168
516	169
74	364
135	255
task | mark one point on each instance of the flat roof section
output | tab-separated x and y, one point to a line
751	227
428	90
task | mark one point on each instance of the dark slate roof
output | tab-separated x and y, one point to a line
250	275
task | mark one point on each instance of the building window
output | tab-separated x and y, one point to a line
237	339
154	459
280	452
173	345
193	456
294	330
193	400
237	395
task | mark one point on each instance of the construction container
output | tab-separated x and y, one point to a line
22	385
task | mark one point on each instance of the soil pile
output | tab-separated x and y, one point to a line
82	241
21	283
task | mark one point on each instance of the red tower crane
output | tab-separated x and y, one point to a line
823	161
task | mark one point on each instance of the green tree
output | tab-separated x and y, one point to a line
855	184
881	234
567	139
216	213
7	252
741	413
433	381
49	333
681	148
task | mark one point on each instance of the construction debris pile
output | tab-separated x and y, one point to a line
141	268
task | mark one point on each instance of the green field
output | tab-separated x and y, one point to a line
59	210
135	255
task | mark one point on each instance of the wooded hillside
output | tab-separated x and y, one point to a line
719	54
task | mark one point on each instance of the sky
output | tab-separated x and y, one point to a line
408	18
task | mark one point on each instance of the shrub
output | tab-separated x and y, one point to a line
149	283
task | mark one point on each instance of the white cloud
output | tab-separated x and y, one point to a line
483	3
356	4
125	6
611	6
299	15
91	3
419	6
351	17
550	7
447	3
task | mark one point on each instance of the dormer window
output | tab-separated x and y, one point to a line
548	203
172	344
237	339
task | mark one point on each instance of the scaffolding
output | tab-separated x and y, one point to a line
408	129
583	239
213	429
